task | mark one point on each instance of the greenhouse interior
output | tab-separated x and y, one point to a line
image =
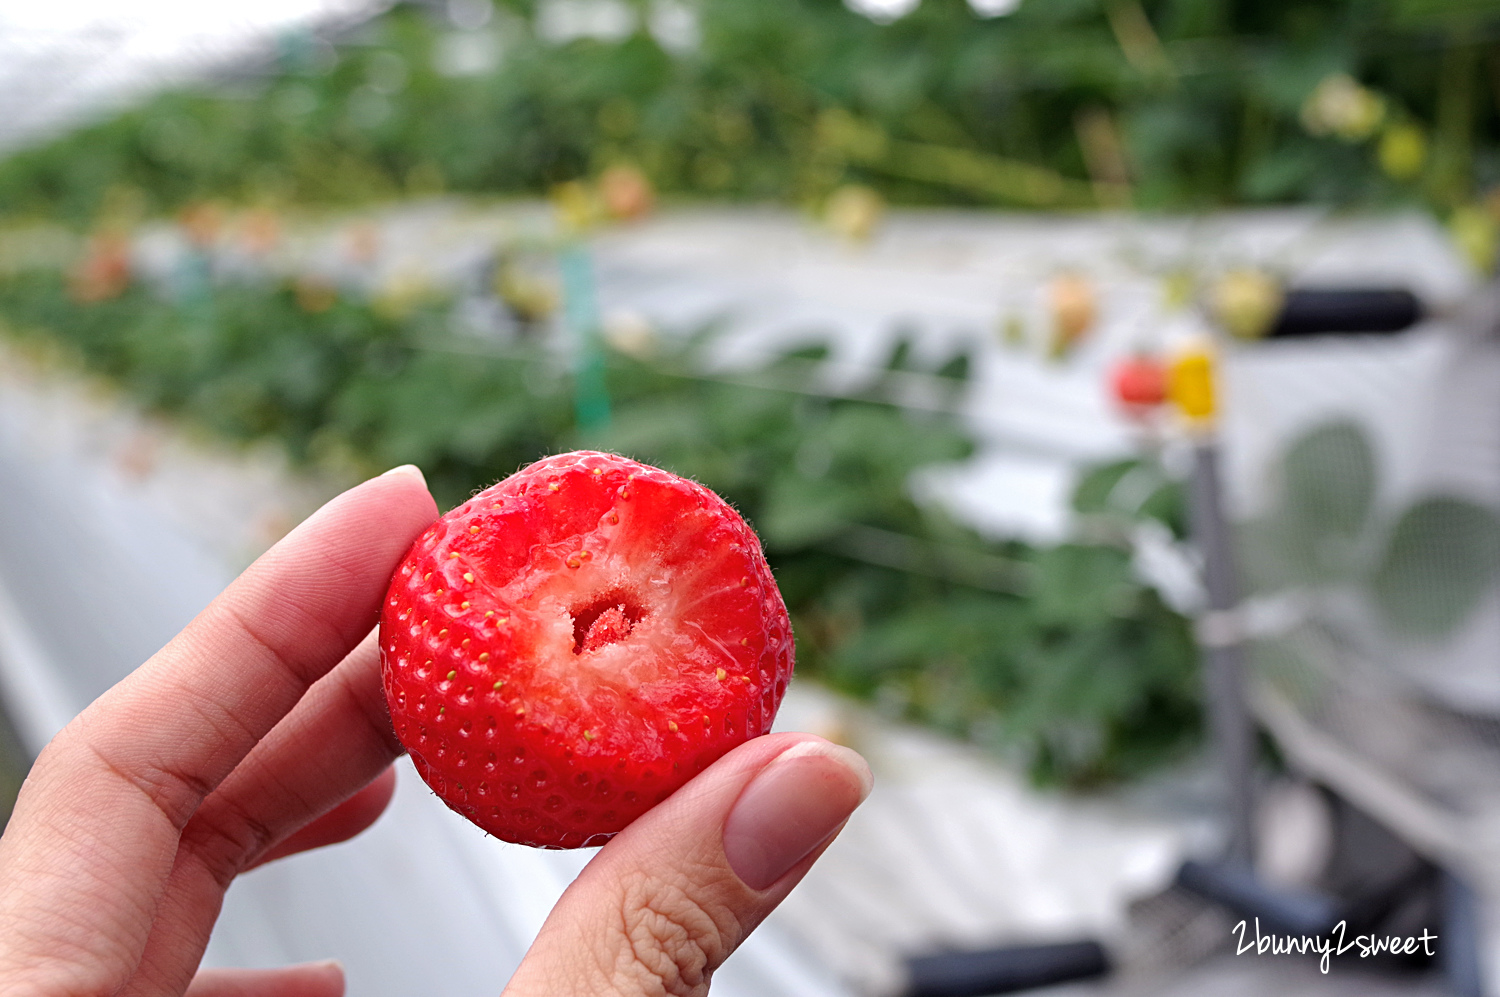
1113	386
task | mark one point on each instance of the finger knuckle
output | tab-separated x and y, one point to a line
225	839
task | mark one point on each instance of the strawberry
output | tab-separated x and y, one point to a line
1139	383
568	647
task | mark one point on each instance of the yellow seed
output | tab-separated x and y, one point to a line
501	619
452	554
520	711
672	726
484	655
443	709
465	605
598	471
425	622
465	643
624	493
552	487
495	506
614	519
473	529
744	581
744	641
427	577
588	735
706	721
488	613
499	685
468	576
453	675
441	591
720	674
443	632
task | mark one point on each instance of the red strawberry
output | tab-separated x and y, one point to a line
1139	383
568	647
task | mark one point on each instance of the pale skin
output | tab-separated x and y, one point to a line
261	731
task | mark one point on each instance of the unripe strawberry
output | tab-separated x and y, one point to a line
1247	303
1074	310
854	211
626	193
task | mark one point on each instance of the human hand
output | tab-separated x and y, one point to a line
261	731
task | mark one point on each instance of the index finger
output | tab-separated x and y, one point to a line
100	814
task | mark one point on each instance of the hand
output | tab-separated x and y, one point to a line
261	731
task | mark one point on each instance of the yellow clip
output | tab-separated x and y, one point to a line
1190	384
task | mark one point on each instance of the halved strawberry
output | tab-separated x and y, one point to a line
570	646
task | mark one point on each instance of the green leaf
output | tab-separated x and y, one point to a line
1082	584
1168	506
957	368
799	512
1430	13
1442	556
1091	494
900	358
1131	490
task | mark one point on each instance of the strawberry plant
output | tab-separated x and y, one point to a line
1060	657
1175	104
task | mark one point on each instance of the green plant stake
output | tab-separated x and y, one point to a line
581	314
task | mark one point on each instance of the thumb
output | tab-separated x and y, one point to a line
313	979
666	902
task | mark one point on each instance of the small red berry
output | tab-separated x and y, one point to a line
1139	382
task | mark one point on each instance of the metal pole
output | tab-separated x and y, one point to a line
1220	638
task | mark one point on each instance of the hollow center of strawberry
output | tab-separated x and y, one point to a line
604	621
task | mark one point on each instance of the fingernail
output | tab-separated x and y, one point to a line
327	967
408	469
800	798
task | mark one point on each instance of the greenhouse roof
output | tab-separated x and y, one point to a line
67	60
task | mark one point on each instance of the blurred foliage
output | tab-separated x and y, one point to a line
1113	499
1063	103
1424	570
1060	656
13	766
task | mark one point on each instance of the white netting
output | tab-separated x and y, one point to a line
1366	479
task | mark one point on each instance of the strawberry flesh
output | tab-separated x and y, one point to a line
609	627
